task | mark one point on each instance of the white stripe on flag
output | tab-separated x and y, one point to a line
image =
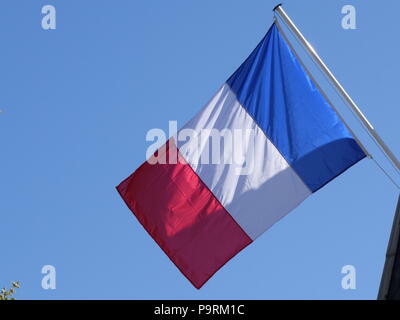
258	199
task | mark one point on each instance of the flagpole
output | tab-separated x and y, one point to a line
337	85
392	254
392	261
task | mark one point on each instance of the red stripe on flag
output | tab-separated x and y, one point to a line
183	217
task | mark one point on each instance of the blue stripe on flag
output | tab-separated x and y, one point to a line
276	91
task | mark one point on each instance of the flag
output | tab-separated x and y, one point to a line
292	143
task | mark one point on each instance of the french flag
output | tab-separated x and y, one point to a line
202	213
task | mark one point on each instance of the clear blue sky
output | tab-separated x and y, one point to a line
78	101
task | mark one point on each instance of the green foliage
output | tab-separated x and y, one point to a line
7	294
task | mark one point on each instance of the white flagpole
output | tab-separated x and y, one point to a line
395	233
337	85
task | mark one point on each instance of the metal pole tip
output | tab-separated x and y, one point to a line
276	7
